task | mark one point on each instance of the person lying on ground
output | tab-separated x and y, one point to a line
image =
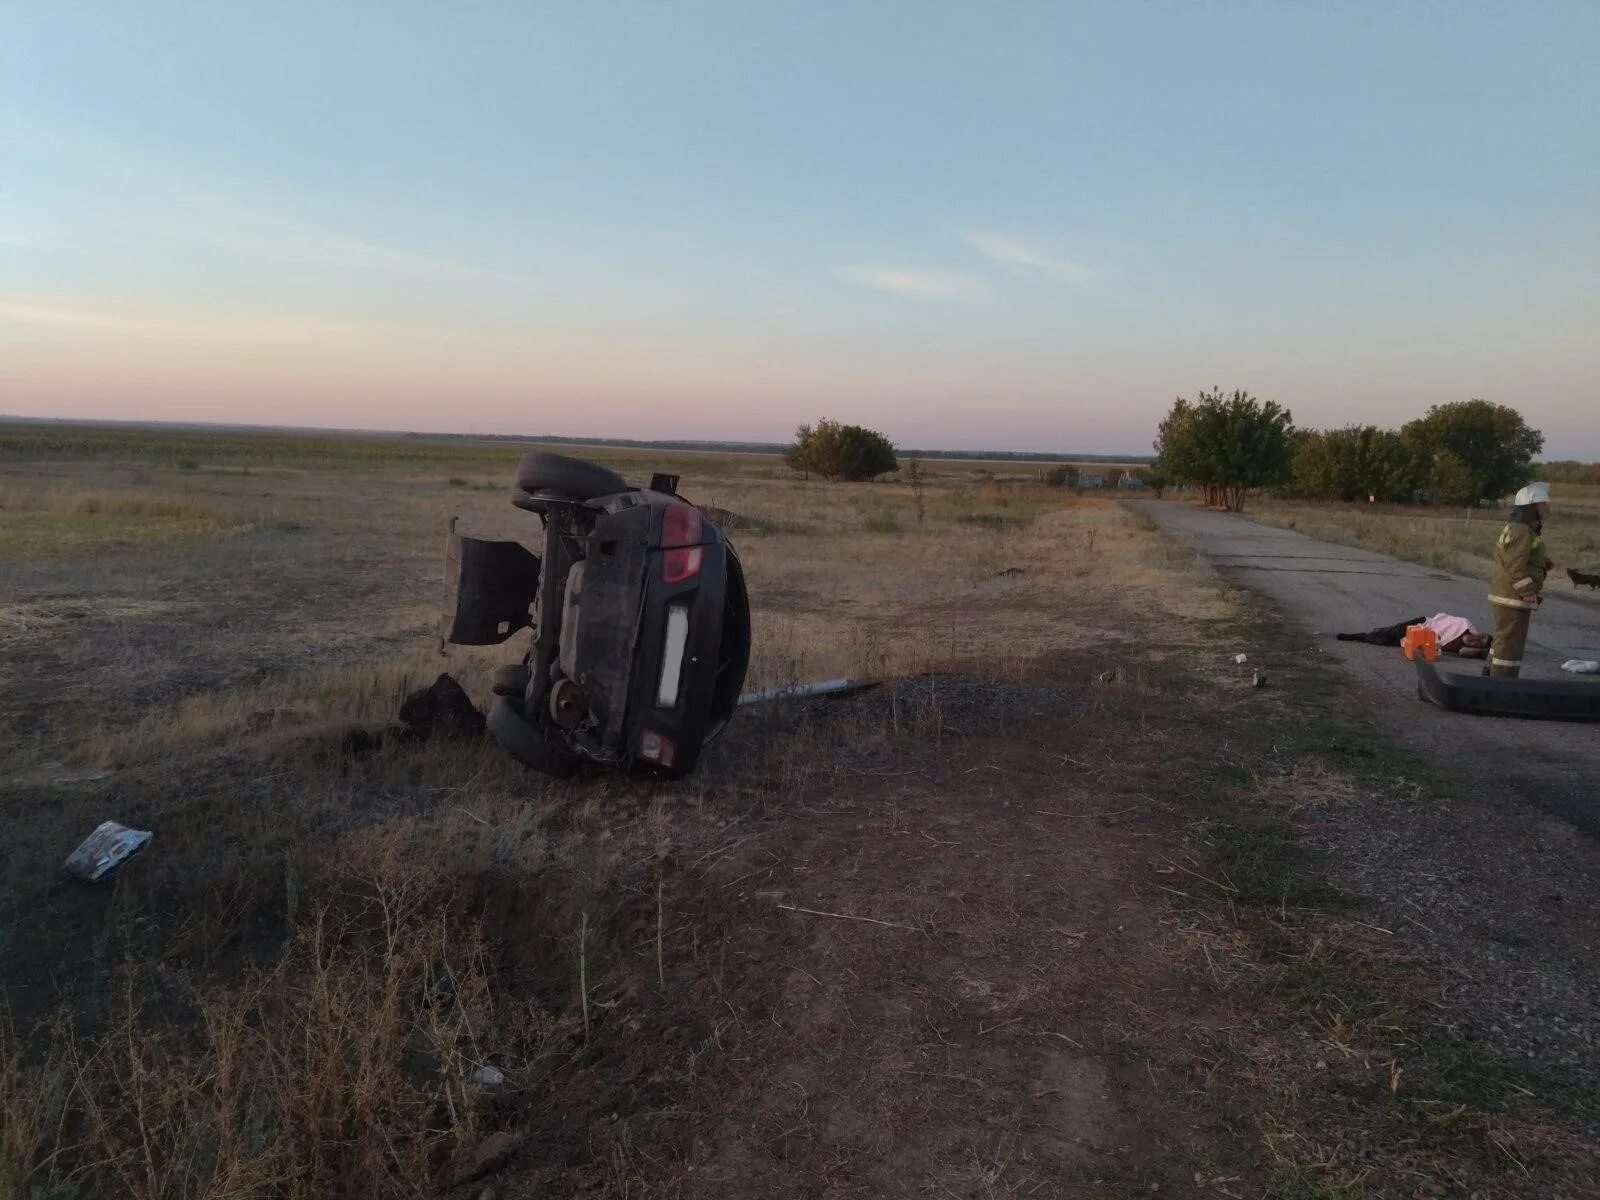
1455	635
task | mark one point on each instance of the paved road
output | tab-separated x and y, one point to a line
1328	589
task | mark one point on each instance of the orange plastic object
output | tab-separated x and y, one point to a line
1420	637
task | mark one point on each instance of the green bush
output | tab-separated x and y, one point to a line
837	451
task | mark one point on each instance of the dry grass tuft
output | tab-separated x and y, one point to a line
53	519
341	1069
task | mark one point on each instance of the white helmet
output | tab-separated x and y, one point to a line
1534	493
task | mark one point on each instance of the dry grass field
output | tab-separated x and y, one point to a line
1448	538
1049	914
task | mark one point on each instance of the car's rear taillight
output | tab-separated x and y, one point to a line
681	530
678	565
680	526
655	748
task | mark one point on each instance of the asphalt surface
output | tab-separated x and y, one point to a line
1328	589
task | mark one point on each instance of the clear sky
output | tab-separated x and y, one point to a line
968	225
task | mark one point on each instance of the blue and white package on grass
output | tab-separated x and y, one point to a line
105	850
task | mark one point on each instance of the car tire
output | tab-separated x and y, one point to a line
526	743
510	681
571	478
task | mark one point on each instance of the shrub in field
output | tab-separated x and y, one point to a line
1062	476
919	489
837	451
1226	444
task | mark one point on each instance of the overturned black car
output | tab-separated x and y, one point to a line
640	618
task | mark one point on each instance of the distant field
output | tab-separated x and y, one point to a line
199	449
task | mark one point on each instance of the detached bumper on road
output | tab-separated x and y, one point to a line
1535	699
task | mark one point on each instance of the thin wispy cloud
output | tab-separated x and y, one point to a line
901	281
165	198
1005	248
260	235
252	328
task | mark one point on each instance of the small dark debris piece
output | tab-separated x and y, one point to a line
1009	572
492	1154
355	743
442	708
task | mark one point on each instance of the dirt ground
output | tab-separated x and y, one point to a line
1066	908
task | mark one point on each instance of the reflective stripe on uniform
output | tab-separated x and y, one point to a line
1504	662
1508	602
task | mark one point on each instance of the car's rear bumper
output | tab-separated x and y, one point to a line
1534	699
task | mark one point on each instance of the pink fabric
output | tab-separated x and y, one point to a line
1448	628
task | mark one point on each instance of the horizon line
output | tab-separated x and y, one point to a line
748	446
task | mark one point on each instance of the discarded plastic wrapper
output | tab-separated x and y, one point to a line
105	850
1581	666
1241	659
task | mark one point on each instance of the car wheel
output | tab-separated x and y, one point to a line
558	475
526	743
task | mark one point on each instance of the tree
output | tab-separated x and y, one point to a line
1450	480
1156	480
837	451
1392	469
1325	465
1492	442
1359	462
1227	444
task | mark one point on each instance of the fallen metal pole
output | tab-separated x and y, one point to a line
825	687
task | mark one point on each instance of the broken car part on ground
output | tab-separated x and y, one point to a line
640	619
1540	699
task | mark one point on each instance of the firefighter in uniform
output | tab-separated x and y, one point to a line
1520	565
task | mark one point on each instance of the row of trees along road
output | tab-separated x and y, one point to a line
1231	444
1457	453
